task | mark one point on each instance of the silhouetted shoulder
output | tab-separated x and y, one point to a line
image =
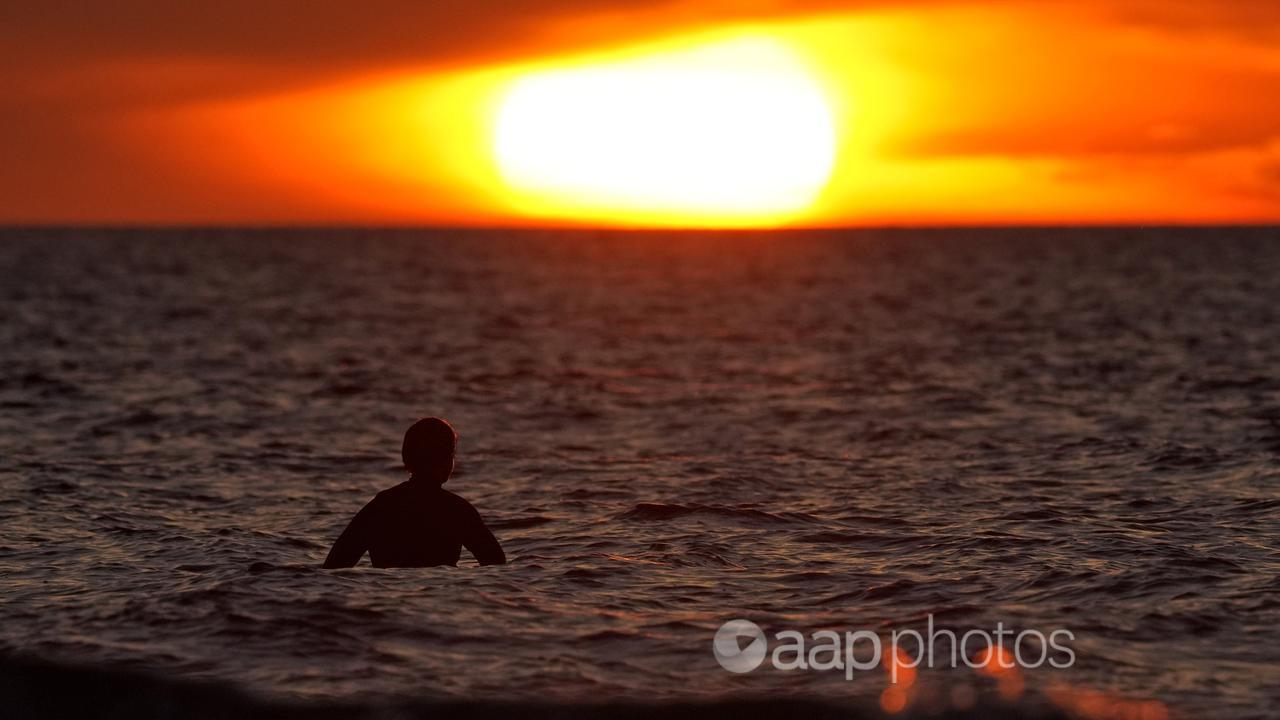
476	536
401	491
458	502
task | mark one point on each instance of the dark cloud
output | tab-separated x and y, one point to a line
254	45
305	31
281	42
1231	128
1250	20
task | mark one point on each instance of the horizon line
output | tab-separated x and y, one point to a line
625	229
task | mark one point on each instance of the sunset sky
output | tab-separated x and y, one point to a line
560	111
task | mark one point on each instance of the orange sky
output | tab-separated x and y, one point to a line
944	111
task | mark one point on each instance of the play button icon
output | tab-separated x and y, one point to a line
740	646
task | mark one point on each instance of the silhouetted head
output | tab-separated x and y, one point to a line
428	450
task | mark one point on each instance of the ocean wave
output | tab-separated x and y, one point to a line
657	512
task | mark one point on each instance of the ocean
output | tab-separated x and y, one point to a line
1050	429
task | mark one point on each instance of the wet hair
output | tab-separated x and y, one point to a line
429	445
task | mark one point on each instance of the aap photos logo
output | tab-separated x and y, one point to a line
740	646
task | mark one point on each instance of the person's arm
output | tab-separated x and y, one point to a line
353	542
477	538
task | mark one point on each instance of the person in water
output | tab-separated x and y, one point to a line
418	523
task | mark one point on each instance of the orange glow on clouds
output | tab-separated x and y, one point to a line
885	117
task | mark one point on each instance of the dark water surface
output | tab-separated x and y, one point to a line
1048	429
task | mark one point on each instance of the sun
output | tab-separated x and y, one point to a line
735	132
